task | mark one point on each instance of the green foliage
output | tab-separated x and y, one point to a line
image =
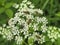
30	41
2	2
48	43
2	9
57	42
3	19
8	5
58	14
51	10
9	13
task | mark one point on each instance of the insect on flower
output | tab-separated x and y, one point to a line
27	12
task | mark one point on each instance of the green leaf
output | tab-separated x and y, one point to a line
47	38
58	14
30	40
31	30
48	43
9	13
2	10
3	19
2	2
8	5
35	1
57	42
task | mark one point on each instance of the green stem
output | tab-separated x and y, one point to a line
51	6
43	7
25	43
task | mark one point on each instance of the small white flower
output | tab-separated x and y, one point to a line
0	28
24	1
48	32
19	40
35	27
16	19
29	17
16	5
31	6
55	28
40	11
59	35
50	28
38	19
53	40
59	29
28	3
4	25
43	28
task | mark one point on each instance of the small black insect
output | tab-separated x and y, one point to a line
27	12
36	43
40	32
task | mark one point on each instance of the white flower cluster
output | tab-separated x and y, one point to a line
36	37
19	40
53	33
6	33
25	24
39	38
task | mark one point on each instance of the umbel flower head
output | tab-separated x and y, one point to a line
26	24
53	33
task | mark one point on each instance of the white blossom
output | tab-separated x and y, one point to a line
16	5
18	40
31	6
53	40
53	33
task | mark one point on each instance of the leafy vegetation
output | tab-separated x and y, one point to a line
51	9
